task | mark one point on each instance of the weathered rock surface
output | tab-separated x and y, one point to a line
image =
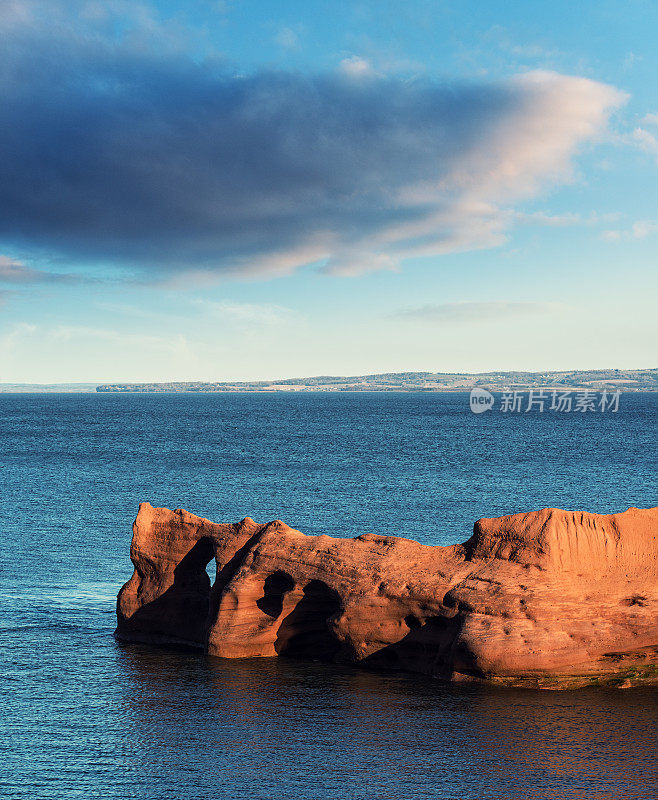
550	598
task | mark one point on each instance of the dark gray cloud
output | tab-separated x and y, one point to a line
111	153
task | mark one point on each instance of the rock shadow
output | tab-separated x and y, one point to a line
432	646
180	613
306	631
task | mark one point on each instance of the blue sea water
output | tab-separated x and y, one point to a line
86	717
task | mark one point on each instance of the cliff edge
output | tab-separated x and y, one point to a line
551	598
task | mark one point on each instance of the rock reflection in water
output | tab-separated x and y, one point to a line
265	726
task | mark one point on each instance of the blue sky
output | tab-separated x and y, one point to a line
242	190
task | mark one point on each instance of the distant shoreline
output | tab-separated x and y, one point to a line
48	388
640	380
627	380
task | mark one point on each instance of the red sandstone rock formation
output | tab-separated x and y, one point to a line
548	598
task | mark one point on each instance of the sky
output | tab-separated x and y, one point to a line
241	190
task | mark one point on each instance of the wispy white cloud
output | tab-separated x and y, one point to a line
12	337
459	313
644	140
16	272
215	310
642	137
547	219
253	313
287	38
638	230
356	67
175	344
63	352
536	52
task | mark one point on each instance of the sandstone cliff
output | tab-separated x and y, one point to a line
550	598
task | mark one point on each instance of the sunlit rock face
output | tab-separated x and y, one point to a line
550	598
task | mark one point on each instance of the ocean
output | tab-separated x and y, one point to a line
84	716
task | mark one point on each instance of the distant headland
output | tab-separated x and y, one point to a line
639	380
625	379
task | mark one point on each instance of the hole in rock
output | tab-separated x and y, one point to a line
211	570
276	586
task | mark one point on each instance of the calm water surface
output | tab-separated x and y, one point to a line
85	717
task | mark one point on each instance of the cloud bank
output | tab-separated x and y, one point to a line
117	153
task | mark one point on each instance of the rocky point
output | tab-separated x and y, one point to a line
550	598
